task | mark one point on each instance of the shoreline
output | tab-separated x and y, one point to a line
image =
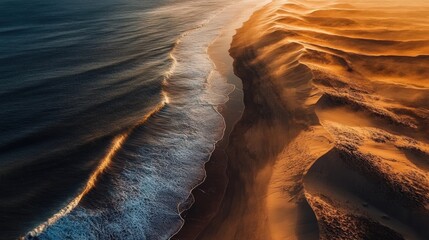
208	196
277	120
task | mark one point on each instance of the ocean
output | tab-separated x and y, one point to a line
108	113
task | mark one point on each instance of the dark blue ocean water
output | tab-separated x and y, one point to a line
75	75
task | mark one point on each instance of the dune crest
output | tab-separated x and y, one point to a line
335	131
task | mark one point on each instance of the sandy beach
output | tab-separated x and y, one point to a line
333	141
208	196
214	120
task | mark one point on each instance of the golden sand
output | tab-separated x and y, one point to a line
334	142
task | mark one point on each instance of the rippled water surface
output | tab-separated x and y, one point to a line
106	114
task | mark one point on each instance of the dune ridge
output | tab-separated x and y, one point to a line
333	143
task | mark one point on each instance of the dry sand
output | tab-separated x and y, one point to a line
334	140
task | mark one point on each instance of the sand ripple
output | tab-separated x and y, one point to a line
337	116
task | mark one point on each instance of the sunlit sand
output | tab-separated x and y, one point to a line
334	140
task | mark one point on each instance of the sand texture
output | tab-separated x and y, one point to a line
334	140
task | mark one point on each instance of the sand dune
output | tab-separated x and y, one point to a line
334	140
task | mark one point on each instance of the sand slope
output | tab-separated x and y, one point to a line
334	140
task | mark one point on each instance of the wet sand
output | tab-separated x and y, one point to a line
333	141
